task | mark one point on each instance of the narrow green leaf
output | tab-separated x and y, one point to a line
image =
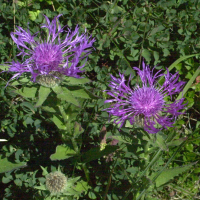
7	166
62	152
174	64
180	60
43	94
189	84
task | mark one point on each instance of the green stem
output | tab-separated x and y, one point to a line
166	165
74	143
64	115
189	84
87	175
83	165
143	173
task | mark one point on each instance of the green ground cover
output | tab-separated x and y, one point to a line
59	142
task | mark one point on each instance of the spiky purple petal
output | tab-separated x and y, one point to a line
51	54
146	101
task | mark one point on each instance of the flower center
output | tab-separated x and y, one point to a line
147	101
48	54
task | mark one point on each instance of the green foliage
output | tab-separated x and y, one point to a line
43	93
7	166
62	152
65	127
169	174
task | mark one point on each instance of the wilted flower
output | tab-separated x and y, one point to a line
146	103
49	58
56	182
103	143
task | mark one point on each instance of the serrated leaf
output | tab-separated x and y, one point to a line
62	152
28	92
7	166
169	174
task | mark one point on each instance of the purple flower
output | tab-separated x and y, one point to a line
146	104
50	58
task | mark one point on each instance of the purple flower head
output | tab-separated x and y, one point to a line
49	58
146	103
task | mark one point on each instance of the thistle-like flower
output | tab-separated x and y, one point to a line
56	182
49	58
146	104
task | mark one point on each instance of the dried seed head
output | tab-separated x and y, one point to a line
56	182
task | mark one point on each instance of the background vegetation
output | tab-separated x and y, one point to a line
127	32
